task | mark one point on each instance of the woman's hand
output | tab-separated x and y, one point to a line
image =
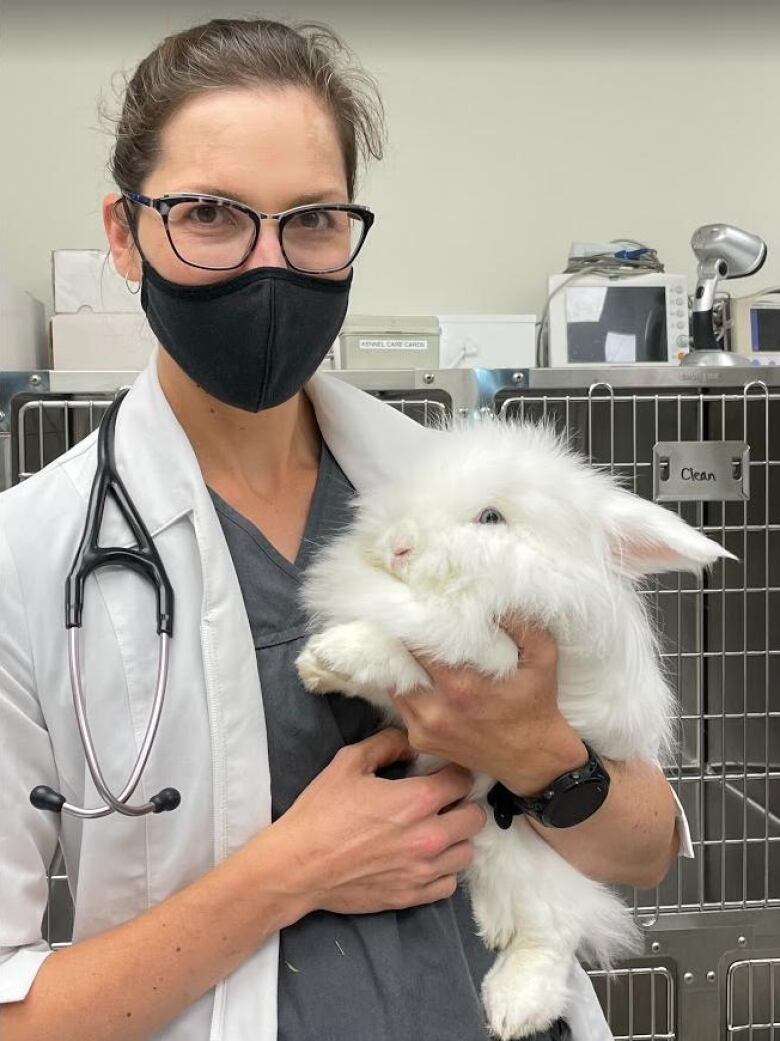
510	729
358	843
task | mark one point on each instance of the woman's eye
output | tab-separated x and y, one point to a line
201	216
490	515
312	220
205	214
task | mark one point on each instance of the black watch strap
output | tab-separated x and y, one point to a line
569	800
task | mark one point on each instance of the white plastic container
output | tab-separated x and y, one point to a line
488	341
86	280
101	342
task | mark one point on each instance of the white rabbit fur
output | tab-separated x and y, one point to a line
569	557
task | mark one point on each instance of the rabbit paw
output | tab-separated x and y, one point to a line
316	672
357	659
524	992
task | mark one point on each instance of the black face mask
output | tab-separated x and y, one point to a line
252	341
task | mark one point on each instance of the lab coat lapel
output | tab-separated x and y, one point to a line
371	441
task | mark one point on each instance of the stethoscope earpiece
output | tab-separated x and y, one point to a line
167	799
45	798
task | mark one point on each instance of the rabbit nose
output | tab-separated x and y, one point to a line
401	552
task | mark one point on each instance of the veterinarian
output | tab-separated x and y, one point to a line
294	894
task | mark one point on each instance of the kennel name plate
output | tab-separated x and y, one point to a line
694	471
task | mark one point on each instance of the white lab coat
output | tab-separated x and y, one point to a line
211	743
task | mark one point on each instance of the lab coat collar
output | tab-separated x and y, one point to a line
158	465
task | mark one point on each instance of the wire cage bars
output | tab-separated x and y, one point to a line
720	644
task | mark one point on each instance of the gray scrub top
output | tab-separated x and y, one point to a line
408	975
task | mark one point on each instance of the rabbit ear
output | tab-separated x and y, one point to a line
647	539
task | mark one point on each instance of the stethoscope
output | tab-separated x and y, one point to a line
144	560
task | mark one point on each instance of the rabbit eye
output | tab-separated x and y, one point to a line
490	515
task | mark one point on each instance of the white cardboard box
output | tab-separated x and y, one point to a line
86	280
487	341
101	342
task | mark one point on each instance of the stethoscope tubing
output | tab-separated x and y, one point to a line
117	803
146	562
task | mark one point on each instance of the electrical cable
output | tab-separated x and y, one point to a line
623	264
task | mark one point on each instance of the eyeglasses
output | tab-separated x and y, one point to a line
216	234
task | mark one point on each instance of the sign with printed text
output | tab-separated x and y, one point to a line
707	471
393	345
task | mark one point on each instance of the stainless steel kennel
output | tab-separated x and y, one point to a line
712	965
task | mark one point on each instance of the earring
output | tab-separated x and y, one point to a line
137	289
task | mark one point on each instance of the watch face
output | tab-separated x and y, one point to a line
576	805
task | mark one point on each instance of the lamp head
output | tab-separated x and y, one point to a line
727	252
723	251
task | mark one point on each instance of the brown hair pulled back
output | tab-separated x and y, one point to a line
234	52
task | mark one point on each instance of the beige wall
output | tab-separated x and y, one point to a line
514	128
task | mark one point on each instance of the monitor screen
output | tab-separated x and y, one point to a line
765	329
616	324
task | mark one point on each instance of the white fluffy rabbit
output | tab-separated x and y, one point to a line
499	519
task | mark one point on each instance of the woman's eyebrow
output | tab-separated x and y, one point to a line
307	199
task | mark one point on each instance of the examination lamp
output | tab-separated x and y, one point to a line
723	251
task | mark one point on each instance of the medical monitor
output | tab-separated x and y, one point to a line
755	328
636	320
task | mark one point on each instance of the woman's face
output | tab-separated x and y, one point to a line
270	148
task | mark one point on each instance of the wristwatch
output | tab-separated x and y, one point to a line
570	799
